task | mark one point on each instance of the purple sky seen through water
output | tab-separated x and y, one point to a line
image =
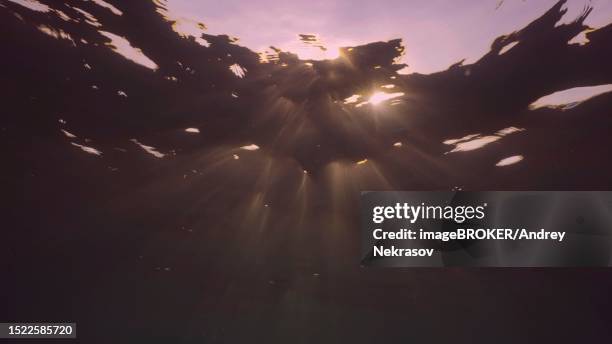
436	33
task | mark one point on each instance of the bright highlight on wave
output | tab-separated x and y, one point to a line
250	147
569	98
507	47
87	149
56	33
124	48
509	160
476	141
149	149
108	6
68	134
581	38
89	18
238	70
183	26
352	99
32	4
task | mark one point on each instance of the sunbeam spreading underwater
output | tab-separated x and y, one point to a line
173	159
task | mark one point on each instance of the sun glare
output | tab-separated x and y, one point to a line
380	97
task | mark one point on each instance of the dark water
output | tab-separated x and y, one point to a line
244	227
